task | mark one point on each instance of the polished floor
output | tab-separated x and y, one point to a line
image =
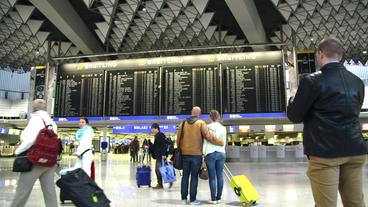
279	184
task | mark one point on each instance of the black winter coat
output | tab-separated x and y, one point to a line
328	103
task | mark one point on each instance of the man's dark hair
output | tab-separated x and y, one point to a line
331	47
155	126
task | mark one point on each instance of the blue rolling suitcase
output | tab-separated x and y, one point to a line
143	175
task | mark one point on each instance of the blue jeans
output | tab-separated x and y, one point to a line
191	166
215	163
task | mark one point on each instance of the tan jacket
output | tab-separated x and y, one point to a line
195	130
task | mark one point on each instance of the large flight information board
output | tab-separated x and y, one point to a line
185	87
132	92
253	88
79	94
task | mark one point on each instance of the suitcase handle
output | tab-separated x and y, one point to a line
227	172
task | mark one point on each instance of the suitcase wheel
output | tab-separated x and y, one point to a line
247	205
149	185
237	191
62	201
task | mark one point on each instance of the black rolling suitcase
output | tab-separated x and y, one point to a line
82	190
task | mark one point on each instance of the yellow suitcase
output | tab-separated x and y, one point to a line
243	188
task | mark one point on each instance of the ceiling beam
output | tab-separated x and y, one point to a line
67	20
246	14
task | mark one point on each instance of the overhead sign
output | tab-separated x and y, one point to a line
76	119
142	128
255	115
255	57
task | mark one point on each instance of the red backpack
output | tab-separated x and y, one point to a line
46	148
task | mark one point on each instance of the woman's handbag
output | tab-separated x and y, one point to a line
203	173
22	164
177	158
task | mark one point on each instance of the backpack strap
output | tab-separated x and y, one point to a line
44	123
81	155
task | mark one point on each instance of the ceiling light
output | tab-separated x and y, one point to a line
37	52
312	39
144	9
365	52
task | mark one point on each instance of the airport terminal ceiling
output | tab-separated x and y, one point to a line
29	29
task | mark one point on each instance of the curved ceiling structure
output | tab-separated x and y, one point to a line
28	29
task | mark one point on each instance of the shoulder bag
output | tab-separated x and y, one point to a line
177	156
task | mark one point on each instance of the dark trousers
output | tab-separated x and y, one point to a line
157	170
191	167
134	156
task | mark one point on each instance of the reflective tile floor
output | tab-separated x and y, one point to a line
279	184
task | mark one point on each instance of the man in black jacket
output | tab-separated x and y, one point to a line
159	152
328	103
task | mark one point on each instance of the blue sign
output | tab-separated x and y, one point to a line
76	119
233	129
255	115
142	128
121	118
166	128
181	117
4	130
122	129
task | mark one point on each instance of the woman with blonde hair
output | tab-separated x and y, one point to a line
215	158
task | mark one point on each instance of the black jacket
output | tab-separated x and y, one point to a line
159	147
328	103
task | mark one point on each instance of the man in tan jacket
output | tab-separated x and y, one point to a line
194	131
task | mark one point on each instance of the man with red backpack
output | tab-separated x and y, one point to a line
39	134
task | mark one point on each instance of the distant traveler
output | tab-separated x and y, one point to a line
159	151
328	102
44	174
84	151
195	130
145	147
215	158
134	149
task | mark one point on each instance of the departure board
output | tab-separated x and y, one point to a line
250	88
79	94
185	87
132	92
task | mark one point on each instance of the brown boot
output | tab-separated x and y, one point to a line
171	185
158	186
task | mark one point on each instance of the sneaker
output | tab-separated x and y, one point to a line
158	187
212	202
194	203
171	185
184	202
218	201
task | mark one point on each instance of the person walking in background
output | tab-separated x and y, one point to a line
44	174
194	131
328	103
215	158
145	147
134	149
159	151
84	151
150	144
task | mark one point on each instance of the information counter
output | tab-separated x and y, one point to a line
262	153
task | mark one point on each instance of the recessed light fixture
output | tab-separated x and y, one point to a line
365	52
312	39
144	9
